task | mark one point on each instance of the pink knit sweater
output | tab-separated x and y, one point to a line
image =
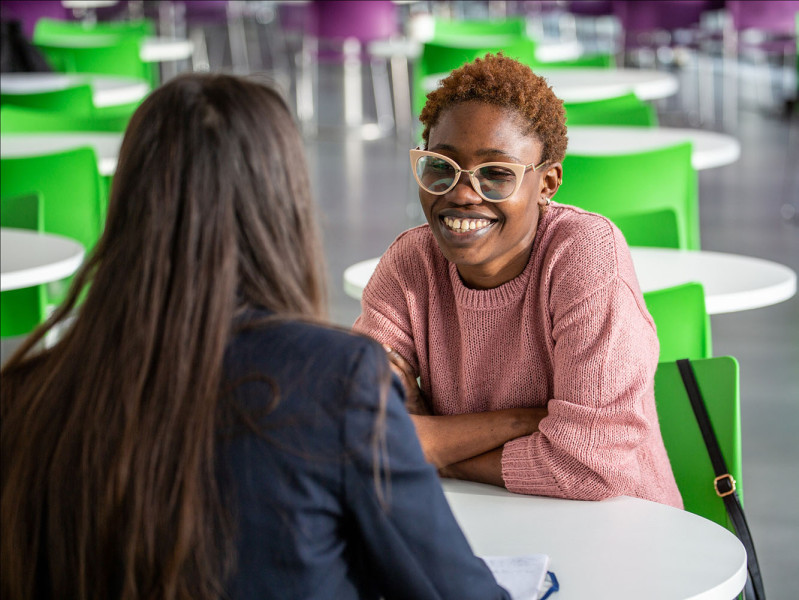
571	333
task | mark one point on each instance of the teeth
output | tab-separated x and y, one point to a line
464	225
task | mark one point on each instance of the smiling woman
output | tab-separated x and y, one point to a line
521	318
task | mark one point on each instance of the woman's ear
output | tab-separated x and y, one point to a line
551	180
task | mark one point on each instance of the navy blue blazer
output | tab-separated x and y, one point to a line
310	523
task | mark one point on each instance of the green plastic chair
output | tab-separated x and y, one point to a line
626	185
72	191
75	106
682	322
621	110
23	309
16	119
656	228
73	101
718	380
443	57
116	52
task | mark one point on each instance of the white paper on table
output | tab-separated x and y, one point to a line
523	576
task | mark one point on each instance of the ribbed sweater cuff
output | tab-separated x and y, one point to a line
524	475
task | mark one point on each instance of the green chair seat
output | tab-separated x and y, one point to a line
626	185
683	325
718	380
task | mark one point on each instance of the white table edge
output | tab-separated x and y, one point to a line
33	276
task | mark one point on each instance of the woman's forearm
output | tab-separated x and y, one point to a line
485	468
448	439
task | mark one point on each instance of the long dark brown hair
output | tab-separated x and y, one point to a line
108	483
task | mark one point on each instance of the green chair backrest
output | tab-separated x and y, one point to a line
621	110
74	101
468	28
443	57
23	309
115	51
120	56
682	322
656	228
718	381
625	185
72	192
15	119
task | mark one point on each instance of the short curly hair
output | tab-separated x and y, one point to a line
497	79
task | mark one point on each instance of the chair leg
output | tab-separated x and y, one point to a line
401	90
305	67
237	37
353	105
382	92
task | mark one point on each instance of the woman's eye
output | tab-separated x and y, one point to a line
497	173
439	165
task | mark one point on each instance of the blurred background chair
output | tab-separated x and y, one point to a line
643	185
23	309
73	196
682	321
448	54
759	41
102	48
718	380
621	110
336	36
67	109
20	119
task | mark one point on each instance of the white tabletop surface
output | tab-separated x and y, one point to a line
732	282
106	145
107	90
710	149
410	49
29	258
621	548
585	84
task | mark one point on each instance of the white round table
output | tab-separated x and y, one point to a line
622	548
732	282
29	258
107	90
586	84
710	149
106	145
411	49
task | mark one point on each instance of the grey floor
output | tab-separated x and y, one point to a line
364	189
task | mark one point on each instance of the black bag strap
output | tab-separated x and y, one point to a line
724	482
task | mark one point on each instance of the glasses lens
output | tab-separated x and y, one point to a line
496	183
435	174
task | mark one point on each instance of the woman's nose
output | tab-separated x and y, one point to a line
464	192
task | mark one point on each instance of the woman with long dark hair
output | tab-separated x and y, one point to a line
196	432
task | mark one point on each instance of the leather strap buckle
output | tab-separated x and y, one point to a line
724	485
